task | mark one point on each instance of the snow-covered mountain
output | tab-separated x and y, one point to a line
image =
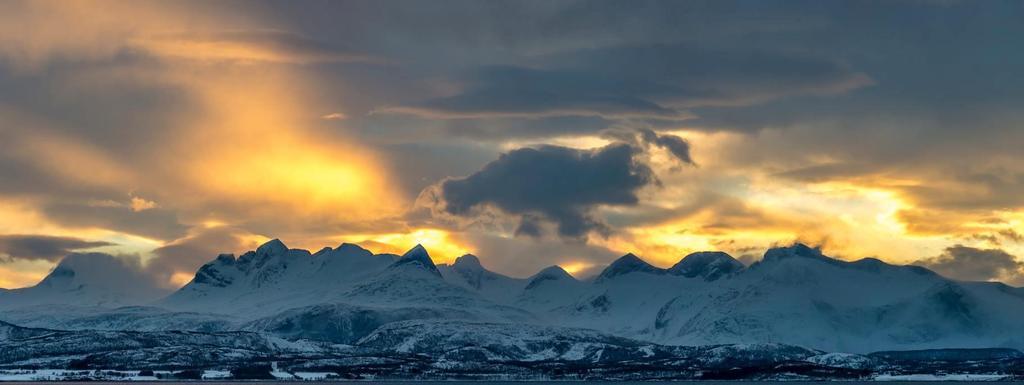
273	278
710	265
795	296
87	279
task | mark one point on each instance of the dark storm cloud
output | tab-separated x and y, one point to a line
530	225
558	184
973	264
155	223
457	32
42	247
645	81
544	58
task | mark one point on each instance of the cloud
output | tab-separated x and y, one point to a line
42	247
168	107
153	223
638	81
749	259
554	184
1012	236
334	116
973	264
254	45
676	146
706	212
40	160
827	171
997	238
935	192
141	204
524	92
217	114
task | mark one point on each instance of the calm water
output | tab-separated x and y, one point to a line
537	382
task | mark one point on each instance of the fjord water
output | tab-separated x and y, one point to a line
413	382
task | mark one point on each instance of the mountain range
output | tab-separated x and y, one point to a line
275	300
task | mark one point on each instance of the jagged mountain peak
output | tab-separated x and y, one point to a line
272	253
796	250
467	262
272	247
351	247
554	271
345	252
225	258
709	265
877	265
417	256
417	250
59	276
550	273
626	264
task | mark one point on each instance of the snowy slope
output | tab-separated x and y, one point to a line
414	281
498	342
469	273
140	318
550	289
343	323
799	296
625	299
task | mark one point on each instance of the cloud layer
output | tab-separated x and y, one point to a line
641	81
175	131
43	247
973	264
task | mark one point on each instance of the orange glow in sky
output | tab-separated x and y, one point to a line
193	124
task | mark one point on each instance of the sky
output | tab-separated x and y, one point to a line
529	133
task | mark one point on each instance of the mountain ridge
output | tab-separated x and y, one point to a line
795	295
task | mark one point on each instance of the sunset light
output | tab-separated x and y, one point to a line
733	190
